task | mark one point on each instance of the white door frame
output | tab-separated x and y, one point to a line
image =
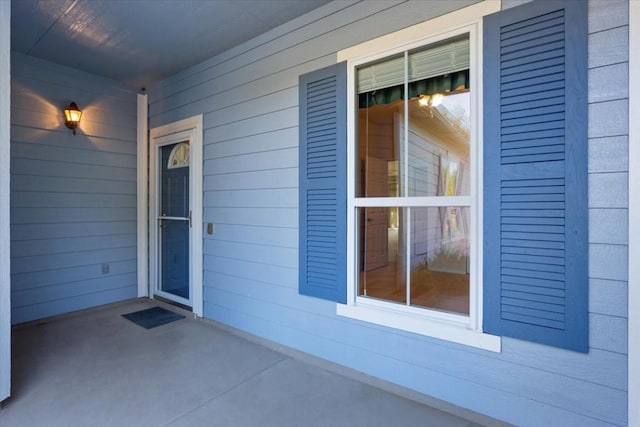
190	128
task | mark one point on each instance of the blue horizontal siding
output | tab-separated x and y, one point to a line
85	155
252	198
73	198
254	216
264	179
260	254
54	120
25	248
70	170
599	366
608	164
73	303
276	159
250	269
71	215
600	194
272	141
40	199
36	279
63	260
609	333
608	154
604	82
75	229
609	297
608	118
44	294
605	15
28	135
109	103
608	262
267	122
610	46
37	183
310	41
616	234
258	235
268	274
81	82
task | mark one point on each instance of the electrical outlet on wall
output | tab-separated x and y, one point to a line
105	268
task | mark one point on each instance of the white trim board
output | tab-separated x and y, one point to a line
634	217
5	126
143	191
194	127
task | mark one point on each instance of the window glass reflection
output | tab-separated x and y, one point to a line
436	242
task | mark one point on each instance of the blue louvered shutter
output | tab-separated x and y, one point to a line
323	197
535	174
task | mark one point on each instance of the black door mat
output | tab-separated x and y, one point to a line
152	317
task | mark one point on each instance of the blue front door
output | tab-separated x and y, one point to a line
174	222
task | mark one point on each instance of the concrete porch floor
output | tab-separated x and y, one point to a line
95	368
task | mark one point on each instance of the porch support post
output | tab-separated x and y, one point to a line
143	192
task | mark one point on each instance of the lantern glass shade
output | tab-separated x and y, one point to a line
72	116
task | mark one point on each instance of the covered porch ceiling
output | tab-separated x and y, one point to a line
142	41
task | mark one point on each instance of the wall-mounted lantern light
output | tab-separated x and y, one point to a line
72	116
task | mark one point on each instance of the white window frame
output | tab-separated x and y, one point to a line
451	327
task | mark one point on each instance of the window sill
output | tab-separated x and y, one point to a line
421	325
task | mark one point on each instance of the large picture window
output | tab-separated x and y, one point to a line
413	177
